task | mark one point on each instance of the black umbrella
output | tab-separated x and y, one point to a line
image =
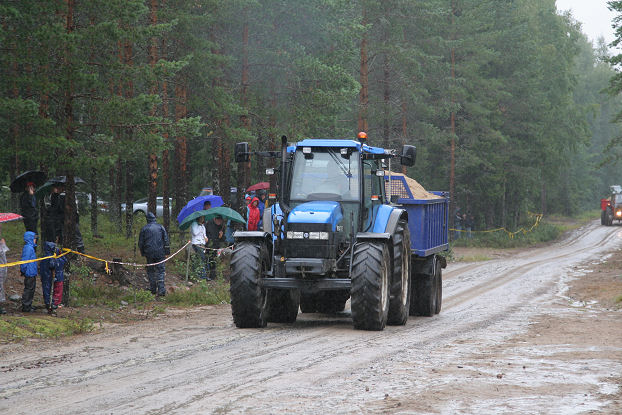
19	184
63	179
45	189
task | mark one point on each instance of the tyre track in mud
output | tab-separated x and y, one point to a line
304	368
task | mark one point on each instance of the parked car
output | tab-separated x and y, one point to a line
140	206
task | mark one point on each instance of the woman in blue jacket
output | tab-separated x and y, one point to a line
29	270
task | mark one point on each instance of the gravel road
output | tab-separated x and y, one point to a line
508	340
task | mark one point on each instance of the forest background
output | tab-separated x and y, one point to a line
509	104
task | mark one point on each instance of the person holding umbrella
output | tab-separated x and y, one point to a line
199	240
26	183
28	207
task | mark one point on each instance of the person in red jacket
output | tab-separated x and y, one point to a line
253	215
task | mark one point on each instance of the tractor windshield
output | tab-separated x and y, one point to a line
325	174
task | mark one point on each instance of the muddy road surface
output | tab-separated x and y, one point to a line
508	340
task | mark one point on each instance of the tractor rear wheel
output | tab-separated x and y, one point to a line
425	293
248	297
399	303
283	305
370	285
439	288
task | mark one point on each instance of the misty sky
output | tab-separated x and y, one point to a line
594	16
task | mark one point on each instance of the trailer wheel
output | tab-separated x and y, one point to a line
283	305
439	288
425	293
399	303
248	297
370	285
609	219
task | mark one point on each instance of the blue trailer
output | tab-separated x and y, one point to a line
334	235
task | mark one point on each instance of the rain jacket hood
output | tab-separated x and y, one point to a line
49	248
29	238
151	217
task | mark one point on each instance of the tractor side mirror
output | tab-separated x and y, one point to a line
409	155
241	153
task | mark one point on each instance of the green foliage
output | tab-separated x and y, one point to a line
201	293
544	232
19	328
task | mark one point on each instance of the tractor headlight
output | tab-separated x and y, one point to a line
619	213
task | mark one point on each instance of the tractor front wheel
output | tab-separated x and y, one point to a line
283	305
370	285
248	297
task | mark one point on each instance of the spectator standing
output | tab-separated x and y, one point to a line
29	270
261	205
253	215
216	236
28	207
198	239
153	243
3	273
457	224
51	272
468	224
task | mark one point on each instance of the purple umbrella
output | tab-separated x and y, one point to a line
196	204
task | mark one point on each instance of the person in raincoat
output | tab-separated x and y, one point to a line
28	207
29	270
253	215
52	270
154	245
3	273
199	240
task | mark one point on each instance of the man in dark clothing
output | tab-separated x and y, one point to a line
28	207
153	243
216	236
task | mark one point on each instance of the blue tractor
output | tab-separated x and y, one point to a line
334	235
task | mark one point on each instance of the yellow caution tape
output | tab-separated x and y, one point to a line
67	251
510	234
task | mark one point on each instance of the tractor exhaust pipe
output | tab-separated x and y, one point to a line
284	206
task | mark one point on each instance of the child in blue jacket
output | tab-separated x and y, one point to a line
52	270
29	271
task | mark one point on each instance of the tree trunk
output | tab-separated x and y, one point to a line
181	148
153	157
94	205
129	198
364	79
165	162
245	167
452	151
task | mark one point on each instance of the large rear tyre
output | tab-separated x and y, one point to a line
439	288
248	297
370	286
283	305
425	293
603	217
399	303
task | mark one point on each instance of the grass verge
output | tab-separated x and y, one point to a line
13	328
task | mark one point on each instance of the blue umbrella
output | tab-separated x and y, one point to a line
196	204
